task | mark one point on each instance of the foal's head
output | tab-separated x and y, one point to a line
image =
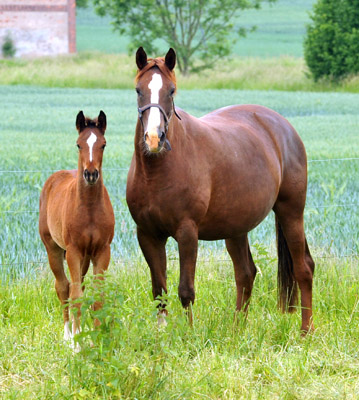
155	87
91	144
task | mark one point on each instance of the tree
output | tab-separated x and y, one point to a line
82	3
331	47
199	28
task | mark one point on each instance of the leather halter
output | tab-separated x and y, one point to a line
150	105
167	120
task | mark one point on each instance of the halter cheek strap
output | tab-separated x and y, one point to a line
163	112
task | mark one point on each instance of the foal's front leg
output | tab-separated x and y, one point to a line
187	239
154	251
74	262
100	265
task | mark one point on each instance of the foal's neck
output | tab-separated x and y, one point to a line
90	195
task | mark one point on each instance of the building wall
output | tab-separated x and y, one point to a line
39	27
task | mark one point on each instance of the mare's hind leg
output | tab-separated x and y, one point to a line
290	217
154	251
244	269
62	286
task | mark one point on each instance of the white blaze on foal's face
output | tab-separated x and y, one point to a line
154	118
91	141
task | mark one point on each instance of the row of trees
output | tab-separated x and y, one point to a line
205	30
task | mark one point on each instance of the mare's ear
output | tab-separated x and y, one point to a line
80	121
170	59
141	58
101	122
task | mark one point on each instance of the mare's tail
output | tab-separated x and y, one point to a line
287	285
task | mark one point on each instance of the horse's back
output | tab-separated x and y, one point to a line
263	126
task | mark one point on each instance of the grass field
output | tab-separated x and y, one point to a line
268	59
130	357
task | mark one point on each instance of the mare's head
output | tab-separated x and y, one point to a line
91	144
155	87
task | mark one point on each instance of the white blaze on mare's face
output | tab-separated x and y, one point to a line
91	141
154	119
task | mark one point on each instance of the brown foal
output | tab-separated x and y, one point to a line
216	177
77	219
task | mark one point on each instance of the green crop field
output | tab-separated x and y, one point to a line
39	137
130	357
279	31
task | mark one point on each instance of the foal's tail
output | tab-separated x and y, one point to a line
287	285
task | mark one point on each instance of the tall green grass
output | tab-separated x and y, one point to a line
128	357
109	71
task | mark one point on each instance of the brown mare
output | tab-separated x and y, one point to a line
76	216
216	177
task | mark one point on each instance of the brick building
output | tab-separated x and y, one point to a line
39	27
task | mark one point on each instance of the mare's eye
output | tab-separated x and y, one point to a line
172	91
138	91
103	147
78	146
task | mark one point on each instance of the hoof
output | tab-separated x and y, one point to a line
161	318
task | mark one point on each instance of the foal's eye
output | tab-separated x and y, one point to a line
138	91
103	147
172	91
78	146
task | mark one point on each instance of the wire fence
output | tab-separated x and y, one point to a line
126	169
325	206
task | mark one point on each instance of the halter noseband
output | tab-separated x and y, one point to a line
165	117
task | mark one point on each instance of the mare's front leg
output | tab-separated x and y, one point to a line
187	239
154	251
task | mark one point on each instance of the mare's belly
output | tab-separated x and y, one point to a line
233	220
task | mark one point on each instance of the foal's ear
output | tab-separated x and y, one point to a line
170	59
141	58
80	122
101	122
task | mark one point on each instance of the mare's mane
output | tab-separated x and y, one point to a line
160	64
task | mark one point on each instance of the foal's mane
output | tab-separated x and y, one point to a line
90	122
160	64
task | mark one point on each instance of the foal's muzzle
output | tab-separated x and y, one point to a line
91	177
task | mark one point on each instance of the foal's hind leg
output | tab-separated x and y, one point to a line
154	251
290	217
244	269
